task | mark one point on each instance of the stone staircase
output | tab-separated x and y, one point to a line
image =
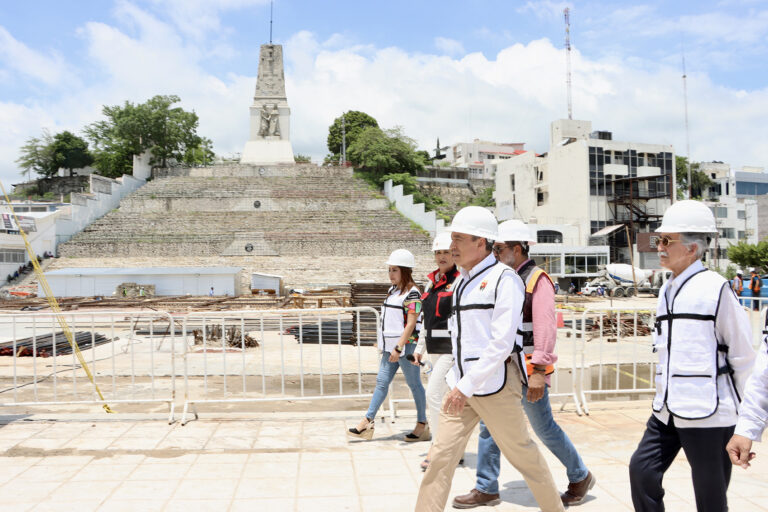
249	211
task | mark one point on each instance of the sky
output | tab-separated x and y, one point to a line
453	69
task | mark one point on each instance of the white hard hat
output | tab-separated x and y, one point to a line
442	242
402	258
739	272
688	217
476	221
515	231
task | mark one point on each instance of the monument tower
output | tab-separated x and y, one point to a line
270	140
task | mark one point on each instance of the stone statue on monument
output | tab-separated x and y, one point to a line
269	121
274	121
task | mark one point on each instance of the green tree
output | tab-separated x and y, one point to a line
700	182
301	159
200	155
71	151
355	122
380	152
170	133
37	155
749	255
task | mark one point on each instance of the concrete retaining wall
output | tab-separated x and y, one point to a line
415	212
86	208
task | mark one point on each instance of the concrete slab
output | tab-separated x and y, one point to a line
301	462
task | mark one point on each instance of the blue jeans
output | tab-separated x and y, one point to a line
385	376
540	416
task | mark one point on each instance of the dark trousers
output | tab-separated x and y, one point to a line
705	450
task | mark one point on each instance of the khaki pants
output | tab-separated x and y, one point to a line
503	415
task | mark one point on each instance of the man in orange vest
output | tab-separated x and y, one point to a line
755	283
539	331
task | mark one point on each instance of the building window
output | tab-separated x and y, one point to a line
741	214
546	236
720	212
726	232
742	235
12	256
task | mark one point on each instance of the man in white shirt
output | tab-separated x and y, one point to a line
488	373
702	338
753	413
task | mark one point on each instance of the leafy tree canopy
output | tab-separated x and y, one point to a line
355	122
45	155
380	152
37	155
700	182
71	151
749	255
170	133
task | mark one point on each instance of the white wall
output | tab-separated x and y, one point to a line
68	285
105	196
415	212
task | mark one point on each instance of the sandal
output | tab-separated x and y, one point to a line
366	433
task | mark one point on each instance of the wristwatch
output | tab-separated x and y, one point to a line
398	349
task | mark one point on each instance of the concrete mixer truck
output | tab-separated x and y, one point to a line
617	280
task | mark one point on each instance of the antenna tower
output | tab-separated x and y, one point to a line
687	135
566	13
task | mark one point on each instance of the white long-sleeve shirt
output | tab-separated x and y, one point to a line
753	413
733	329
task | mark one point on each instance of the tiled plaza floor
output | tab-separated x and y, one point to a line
298	462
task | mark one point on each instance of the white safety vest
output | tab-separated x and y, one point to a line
693	374
470	327
394	317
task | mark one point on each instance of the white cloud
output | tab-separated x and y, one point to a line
49	69
545	9
449	46
200	19
511	96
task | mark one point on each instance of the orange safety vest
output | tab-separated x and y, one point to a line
531	274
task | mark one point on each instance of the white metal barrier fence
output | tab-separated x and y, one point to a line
563	382
307	354
615	354
129	354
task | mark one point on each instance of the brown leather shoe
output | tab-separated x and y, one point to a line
475	498
578	491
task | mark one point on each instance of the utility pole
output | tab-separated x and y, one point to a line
270	20
343	141
566	12
687	136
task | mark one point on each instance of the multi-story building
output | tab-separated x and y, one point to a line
39	224
591	182
736	214
481	157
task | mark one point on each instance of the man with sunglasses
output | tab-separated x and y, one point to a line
488	371
703	341
539	331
